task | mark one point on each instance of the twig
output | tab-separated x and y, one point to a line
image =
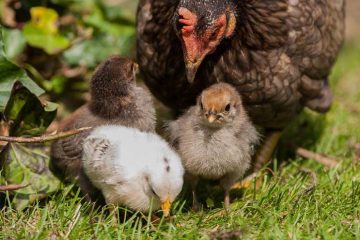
73	72
74	220
44	138
12	187
320	158
225	234
314	179
270	170
356	147
309	189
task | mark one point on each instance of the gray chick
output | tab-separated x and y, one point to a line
115	99
215	138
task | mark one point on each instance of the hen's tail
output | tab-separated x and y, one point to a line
319	98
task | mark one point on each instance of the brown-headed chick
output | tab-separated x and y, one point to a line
215	138
115	99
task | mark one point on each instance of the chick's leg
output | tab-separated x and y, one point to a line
227	200
195	204
114	213
193	181
226	182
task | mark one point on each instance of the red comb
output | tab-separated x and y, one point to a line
188	19
184	21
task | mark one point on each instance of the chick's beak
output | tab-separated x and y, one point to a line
165	207
211	118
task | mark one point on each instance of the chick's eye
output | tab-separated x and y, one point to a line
227	108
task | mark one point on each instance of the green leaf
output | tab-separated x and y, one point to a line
124	11
94	51
42	31
97	20
28	116
2	44
9	74
14	42
50	43
28	165
210	203
57	84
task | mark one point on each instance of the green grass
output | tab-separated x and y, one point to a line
282	208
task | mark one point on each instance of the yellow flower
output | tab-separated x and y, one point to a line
44	19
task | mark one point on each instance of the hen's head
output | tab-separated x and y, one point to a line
201	25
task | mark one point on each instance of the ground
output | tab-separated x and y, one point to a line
298	198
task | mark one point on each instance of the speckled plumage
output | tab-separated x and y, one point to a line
115	99
279	58
221	150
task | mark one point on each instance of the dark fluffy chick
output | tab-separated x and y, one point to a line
115	99
215	138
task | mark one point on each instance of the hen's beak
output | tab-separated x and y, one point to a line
165	207
194	54
192	67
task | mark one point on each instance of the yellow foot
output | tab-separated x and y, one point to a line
247	182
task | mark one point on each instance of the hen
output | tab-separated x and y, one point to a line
276	53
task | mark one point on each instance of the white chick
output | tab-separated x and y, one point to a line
132	168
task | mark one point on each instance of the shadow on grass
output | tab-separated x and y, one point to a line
304	132
210	195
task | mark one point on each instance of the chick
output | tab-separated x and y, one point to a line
215	138
115	99
132	168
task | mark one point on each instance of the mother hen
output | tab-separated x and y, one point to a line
277	53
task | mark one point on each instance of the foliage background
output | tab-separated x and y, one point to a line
58	46
48	51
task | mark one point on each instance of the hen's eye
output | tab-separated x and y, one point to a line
213	36
227	108
179	25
